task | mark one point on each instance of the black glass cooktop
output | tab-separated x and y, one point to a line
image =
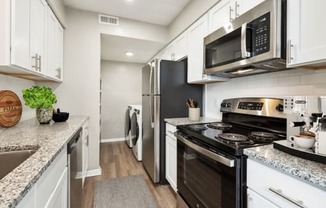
231	138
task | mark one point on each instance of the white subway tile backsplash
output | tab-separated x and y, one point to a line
278	84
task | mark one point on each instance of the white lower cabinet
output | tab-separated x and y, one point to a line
85	142
171	156
51	188
270	188
257	201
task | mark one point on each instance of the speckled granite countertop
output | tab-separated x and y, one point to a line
185	121
311	172
48	139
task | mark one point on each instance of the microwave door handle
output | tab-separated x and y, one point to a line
244	52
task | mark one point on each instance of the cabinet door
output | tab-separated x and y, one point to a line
171	161
37	32
20	33
257	201
220	15
59	197
196	34
242	6
54	47
29	199
180	47
305	32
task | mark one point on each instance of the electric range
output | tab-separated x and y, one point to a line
211	165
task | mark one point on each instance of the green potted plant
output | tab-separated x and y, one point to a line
42	98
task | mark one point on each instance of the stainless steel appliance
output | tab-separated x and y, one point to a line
253	43
306	136
128	127
75	184
211	166
164	95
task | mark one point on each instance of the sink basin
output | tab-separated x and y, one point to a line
11	159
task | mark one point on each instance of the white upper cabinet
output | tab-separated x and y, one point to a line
37	34
23	40
177	49
306	43
220	15
196	34
19	34
54	47
226	11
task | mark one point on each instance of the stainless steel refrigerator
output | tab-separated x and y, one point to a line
164	95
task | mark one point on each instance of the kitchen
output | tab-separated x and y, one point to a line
82	25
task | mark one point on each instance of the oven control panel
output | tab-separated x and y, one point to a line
250	106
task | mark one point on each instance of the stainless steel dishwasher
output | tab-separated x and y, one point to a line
74	182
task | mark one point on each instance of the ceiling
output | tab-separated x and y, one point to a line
160	12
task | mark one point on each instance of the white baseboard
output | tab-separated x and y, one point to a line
94	172
113	140
90	173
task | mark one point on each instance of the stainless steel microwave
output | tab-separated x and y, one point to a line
252	43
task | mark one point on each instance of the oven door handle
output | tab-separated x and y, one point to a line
219	158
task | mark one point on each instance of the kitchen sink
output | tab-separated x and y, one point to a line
11	159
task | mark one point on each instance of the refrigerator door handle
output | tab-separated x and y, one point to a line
151	107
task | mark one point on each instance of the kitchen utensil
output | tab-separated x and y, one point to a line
10	108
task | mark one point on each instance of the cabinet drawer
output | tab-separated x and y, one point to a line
170	129
48	181
266	181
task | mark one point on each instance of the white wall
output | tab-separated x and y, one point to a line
278	84
79	94
121	86
16	85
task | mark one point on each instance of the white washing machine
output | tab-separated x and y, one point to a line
128	126
136	131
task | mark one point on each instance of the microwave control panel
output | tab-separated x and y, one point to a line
261	34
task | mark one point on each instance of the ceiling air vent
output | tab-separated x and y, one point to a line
108	20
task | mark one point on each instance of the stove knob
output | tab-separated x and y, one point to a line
279	108
223	105
228	105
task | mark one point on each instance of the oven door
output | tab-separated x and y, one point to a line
208	179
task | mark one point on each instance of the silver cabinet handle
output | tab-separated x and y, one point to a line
40	63
35	66
231	10
279	192
289	55
236	9
58	73
219	158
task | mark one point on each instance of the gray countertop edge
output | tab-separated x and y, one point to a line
185	121
308	171
48	139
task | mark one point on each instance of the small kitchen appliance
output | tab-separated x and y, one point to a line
211	165
306	132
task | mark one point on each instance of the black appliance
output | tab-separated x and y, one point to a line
211	165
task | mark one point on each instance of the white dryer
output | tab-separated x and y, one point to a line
128	126
136	132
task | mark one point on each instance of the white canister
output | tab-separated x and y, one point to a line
194	114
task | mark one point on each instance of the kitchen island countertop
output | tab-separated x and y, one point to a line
311	172
47	139
185	121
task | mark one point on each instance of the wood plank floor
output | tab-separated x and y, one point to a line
117	160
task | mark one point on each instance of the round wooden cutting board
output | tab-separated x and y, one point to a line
10	108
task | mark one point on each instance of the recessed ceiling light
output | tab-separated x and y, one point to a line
129	53
129	0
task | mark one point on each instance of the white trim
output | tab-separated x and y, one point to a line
121	139
94	172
